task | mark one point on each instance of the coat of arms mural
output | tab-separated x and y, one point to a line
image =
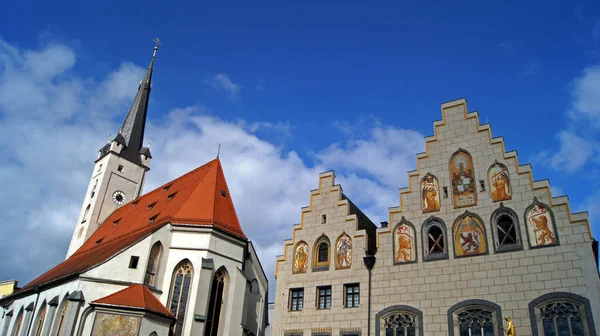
404	243
111	324
540	225
469	236
463	179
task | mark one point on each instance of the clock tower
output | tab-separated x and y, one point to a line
120	168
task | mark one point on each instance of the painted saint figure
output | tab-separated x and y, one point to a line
344	252
500	182
300	258
429	194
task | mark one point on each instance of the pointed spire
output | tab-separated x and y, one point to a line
131	134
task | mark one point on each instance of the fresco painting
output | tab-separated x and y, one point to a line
469	237
463	180
300	261
404	244
430	195
343	254
116	325
499	182
539	225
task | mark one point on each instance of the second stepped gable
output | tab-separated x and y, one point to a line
470	197
332	236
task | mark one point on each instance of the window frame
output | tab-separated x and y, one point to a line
291	299
154	256
355	294
379	327
179	266
476	303
427	225
318	301
543	300
501	211
321	265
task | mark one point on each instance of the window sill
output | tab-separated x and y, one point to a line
320	268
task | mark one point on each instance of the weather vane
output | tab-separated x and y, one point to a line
158	43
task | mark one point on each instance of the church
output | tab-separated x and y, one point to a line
474	246
172	261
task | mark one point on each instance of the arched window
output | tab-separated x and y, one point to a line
86	213
399	320
215	305
39	324
435	246
475	318
321	254
561	314
61	318
180	290
153	263
505	229
18	323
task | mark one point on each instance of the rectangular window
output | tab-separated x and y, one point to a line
482	185
133	262
120	168
323	219
296	299
352	294
324	301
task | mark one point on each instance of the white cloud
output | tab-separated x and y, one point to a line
53	122
222	81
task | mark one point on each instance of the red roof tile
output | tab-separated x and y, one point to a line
195	198
135	296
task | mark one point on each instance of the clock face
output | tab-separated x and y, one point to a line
119	197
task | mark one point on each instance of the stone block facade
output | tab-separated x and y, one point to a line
474	239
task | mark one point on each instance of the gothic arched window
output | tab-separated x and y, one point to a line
475	318
505	229
321	253
62	315
180	290
40	320
561	314
153	263
399	320
18	324
434	239
215	305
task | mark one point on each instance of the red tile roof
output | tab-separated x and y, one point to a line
200	198
135	296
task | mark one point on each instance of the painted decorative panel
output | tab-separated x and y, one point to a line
430	194
405	246
540	225
469	236
343	252
499	182
300	260
116	325
463	179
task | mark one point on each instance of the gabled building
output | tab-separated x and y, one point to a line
473	239
173	261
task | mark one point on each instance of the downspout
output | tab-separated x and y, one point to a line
36	289
369	261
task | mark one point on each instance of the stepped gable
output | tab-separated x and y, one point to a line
135	296
198	198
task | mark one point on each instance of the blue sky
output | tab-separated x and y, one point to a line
299	81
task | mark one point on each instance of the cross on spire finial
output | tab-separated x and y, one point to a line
158	43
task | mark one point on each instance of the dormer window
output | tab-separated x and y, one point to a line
152	219
151	206
116	222
166	188
99	241
170	197
134	203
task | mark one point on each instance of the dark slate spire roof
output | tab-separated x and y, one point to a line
131	134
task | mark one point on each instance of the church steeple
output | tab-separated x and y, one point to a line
131	134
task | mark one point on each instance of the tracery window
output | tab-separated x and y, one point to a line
507	236
180	290
153	263
475	318
215	305
558	314
40	320
434	239
400	324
